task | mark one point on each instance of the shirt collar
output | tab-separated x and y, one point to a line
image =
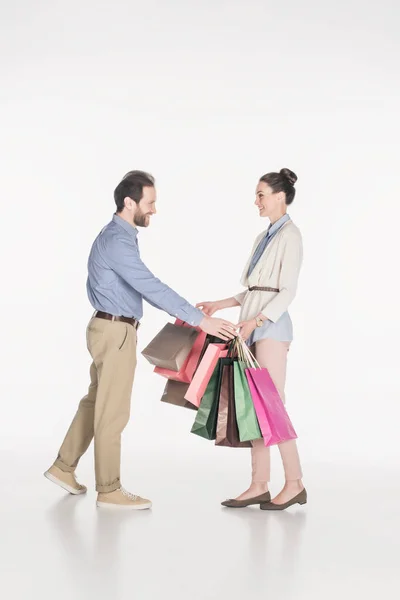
278	224
131	229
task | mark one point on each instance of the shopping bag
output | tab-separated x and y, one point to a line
205	424
246	417
174	393
171	346
204	372
186	371
275	424
227	433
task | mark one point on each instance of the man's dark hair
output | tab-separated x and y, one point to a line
131	186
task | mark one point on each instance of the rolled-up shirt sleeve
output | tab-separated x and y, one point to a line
123	257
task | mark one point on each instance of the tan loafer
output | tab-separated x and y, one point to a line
249	502
299	499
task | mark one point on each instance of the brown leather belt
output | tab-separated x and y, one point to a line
102	315
255	288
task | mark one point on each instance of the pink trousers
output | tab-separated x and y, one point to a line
272	355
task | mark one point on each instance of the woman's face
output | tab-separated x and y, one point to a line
266	201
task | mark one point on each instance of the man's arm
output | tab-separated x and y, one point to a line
123	257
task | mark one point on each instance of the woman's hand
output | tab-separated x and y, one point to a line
209	308
246	328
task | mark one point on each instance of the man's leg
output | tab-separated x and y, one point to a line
116	363
79	435
105	411
81	430
115	359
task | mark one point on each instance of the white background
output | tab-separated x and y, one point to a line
207	97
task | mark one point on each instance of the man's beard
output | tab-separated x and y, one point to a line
140	219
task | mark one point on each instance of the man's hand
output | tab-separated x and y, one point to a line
246	328
219	328
209	308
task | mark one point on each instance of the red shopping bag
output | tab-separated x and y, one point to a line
202	376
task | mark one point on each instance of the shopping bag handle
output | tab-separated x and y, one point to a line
247	356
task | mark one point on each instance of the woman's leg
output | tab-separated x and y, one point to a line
272	355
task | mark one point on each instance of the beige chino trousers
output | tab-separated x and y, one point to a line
104	412
272	355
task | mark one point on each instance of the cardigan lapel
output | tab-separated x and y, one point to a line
271	249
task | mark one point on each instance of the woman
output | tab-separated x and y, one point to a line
271	276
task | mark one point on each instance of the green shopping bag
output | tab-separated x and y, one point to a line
205	424
246	417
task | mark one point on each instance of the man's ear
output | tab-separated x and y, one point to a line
129	203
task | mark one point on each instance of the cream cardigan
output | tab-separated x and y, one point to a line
278	267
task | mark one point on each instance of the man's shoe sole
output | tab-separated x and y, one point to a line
123	506
63	485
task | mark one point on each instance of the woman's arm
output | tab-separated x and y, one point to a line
209	308
291	263
230	302
239	298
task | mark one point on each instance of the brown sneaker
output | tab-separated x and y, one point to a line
65	480
122	499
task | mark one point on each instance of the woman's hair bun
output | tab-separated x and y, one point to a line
289	175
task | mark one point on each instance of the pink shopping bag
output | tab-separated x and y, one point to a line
275	425
198	386
185	374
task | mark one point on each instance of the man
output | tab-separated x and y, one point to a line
118	282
